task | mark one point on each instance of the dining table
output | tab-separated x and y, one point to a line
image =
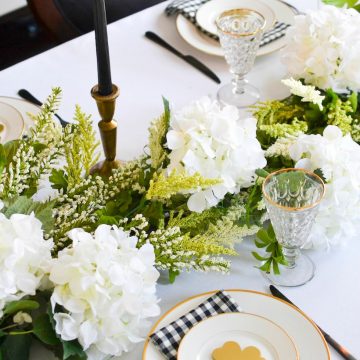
144	73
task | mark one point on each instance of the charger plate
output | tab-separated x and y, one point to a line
246	330
11	123
307	337
204	43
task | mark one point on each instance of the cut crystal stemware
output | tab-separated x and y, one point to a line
240	32
292	197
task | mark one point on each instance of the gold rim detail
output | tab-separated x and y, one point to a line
240	12
286	208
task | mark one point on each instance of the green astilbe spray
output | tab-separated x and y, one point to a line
157	138
163	187
80	149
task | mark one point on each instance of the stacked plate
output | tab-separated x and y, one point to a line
272	10
15	119
278	331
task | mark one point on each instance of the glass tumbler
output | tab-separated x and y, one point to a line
292	197
240	32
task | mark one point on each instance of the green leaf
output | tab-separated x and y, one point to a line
276	268
273	249
266	266
73	348
2	158
38	147
260	244
10	149
172	275
166	109
108	220
25	205
20	305
271	232
263	235
258	257
44	330
154	213
17	205
341	3
261	173
58	179
353	98
16	347
270	247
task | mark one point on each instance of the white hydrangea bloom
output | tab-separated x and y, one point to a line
323	48
213	141
338	157
107	287
24	257
307	92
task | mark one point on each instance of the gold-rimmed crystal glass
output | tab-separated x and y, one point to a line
240	32
292	197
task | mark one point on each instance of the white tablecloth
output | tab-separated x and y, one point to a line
144	72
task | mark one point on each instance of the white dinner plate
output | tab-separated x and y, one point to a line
12	123
307	337
208	13
245	330
204	43
24	107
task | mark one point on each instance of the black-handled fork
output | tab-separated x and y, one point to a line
31	98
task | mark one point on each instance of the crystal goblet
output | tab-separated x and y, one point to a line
292	197
240	32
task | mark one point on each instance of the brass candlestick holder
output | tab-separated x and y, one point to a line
107	127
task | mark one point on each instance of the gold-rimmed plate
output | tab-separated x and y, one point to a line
200	41
307	337
24	108
11	123
271	342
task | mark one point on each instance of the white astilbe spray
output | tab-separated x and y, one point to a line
323	48
106	288
24	257
308	93
210	140
338	157
281	147
34	159
77	208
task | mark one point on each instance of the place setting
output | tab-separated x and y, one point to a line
93	248
195	22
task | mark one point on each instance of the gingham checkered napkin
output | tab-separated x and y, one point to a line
188	8
167	339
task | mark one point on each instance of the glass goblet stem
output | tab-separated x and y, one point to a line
239	83
291	255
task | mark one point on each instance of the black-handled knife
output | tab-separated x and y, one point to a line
188	58
340	349
31	98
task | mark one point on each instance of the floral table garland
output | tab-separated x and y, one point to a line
79	271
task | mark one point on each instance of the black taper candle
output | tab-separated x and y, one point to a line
102	48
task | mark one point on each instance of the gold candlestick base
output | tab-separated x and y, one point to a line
108	128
